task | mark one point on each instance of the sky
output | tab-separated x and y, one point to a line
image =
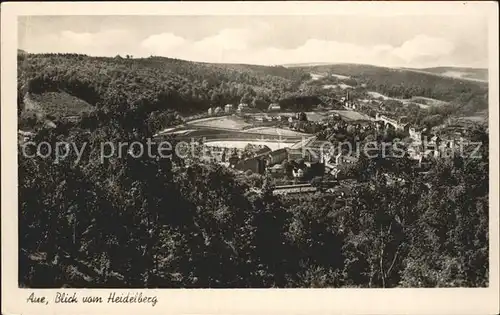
399	41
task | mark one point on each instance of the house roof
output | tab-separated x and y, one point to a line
303	143
263	150
278	152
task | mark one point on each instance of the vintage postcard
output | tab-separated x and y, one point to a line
250	158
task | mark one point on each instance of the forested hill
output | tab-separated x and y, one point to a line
155	82
89	221
156	85
405	83
459	72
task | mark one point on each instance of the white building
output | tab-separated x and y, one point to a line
274	107
242	108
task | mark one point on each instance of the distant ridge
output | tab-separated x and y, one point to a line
464	73
309	64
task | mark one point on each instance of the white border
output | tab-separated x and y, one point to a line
242	301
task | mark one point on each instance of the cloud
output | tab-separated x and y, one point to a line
162	43
238	45
105	43
245	45
227	43
423	46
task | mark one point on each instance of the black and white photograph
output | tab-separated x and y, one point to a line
253	151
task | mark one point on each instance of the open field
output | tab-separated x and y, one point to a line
225	122
408	102
257	134
312	116
480	117
276	132
344	86
273	145
340	77
427	101
329	86
470	74
378	95
57	104
423	102
316	116
350	115
341	86
315	76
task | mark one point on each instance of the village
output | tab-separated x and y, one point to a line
304	152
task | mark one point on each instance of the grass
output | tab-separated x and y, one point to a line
225	122
59	104
351	115
427	101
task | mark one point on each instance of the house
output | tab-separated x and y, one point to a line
256	164
298	173
303	154
345	159
228	108
233	160
210	111
25	135
298	189
277	156
350	105
415	134
262	151
315	169
274	107
217	110
277	169
242	108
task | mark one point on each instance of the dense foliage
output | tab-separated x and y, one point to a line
469	96
156	82
149	222
153	222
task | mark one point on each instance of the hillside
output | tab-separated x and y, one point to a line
470	96
89	219
155	83
66	83
458	72
56	104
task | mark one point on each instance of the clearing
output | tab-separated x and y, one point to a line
224	122
422	102
345	86
276	132
340	77
315	76
378	95
273	145
57	104
351	115
427	101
